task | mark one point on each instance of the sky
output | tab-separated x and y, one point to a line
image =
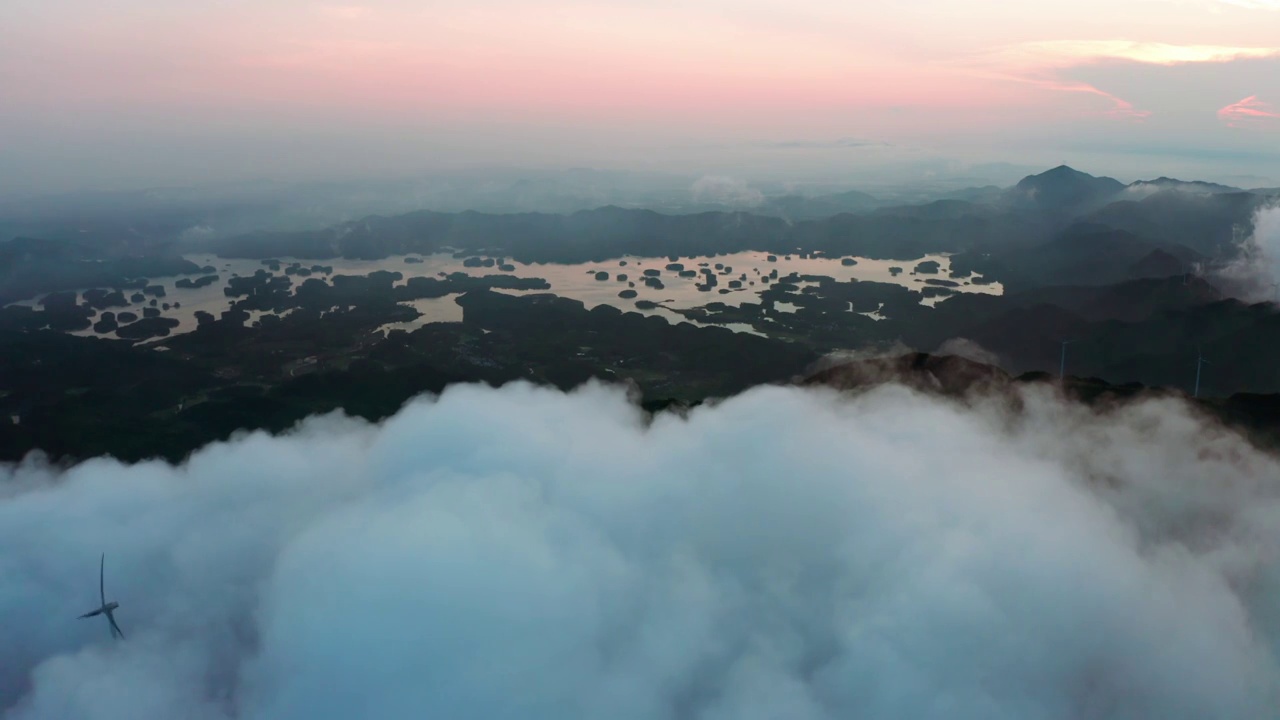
138	91
526	553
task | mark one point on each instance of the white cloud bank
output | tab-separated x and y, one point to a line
524	553
726	190
196	233
1254	274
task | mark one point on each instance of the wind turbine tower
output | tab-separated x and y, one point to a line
1200	361
1062	363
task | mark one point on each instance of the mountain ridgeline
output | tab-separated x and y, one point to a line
1088	259
1122	282
1062	226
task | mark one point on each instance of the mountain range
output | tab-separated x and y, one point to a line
1124	272
1060	220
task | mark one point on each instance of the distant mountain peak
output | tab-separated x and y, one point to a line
1064	173
1065	188
1146	187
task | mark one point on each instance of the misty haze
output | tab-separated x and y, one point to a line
676	361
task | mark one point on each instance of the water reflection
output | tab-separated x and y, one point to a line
661	285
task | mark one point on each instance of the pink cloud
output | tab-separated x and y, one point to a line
607	62
1045	64
1071	53
1120	108
1247	111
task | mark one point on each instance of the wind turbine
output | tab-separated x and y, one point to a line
1200	361
1062	362
106	607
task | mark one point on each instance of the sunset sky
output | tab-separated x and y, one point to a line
142	91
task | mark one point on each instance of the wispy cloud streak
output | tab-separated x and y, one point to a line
1248	111
1121	108
1070	53
1047	64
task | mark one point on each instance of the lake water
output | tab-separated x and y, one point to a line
578	281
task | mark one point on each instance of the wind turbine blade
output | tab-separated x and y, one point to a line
115	629
102	591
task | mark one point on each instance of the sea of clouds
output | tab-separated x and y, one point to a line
786	553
